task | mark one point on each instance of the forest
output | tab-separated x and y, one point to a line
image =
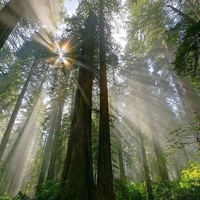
99	99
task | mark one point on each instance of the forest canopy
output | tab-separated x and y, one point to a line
99	100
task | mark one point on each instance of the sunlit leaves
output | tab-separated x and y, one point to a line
191	176
187	54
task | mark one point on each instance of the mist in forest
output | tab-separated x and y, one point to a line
99	100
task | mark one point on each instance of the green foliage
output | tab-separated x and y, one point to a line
4	198
47	190
162	190
187	53
125	191
187	188
189	185
21	196
191	176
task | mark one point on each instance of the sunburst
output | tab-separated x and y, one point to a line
61	55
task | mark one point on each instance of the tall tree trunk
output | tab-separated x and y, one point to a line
52	163
146	168
10	15
16	142
161	163
105	174
48	146
188	113
163	173
116	129
193	101
10	154
121	160
11	122
191	96
77	171
144	158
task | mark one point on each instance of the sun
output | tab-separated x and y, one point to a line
61	55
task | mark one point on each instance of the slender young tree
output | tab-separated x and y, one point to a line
116	129
105	174
144	157
163	173
52	163
48	145
16	142
13	117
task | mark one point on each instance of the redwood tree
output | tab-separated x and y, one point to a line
77	175
105	174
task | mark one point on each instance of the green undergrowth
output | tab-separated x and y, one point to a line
187	188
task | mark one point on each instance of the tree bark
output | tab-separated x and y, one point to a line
13	117
10	15
105	174
77	175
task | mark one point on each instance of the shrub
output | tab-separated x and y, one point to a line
47	190
21	196
121	189
4	198
126	191
137	192
189	185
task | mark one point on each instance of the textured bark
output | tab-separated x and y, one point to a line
105	174
13	117
77	175
52	163
10	15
